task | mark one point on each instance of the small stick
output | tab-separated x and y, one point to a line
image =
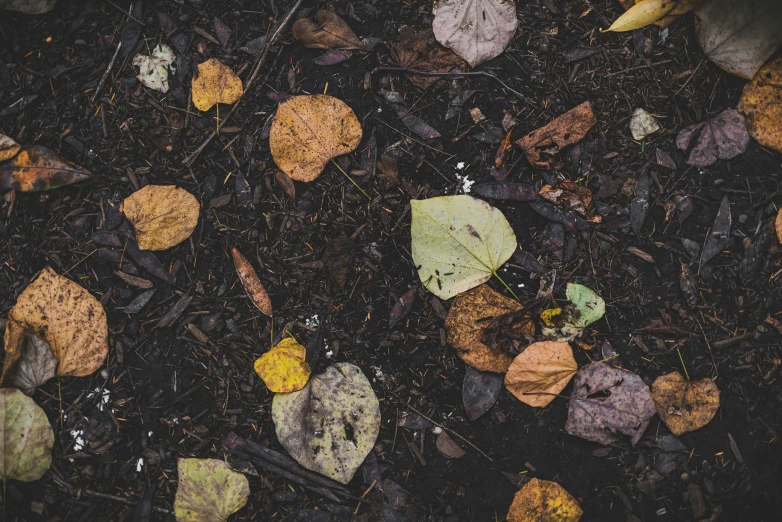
106	74
751	336
638	67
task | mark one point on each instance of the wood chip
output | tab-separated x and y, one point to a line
138	282
640	254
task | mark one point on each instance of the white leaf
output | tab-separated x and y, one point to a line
153	70
643	124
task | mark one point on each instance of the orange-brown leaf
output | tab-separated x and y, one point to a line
540	372
421	51
567	129
252	285
37	168
331	32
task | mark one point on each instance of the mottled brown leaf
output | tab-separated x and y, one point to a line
422	52
37	168
685	405
252	285
330	32
564	130
29	362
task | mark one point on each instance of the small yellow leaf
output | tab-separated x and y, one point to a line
283	368
641	15
545	500
162	215
216	83
761	103
548	316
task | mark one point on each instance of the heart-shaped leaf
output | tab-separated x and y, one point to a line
284	368
26	436
216	83
543	500
723	137
685	405
540	372
761	103
208	491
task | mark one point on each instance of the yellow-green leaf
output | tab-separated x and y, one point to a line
642	14
27	438
545	500
283	368
208	491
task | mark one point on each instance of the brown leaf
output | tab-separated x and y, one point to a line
252	285
162	215
539	373
722	137
543	501
331	32
337	257
684	405
568	195
564	130
68	317
421	51
29	362
480	391
448	447
484	329
286	183
401	307
761	103
8	147
778	225
389	174
37	168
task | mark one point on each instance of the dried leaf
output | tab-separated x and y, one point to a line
284	368
401	307
778	225
162	215
68	317
26	437
640	203
37	168
448	447
761	103
539	373
331	32
642	14
331	424
216	83
722	137
480	391
309	131
568	195
642	123
208	491
338	257
29	362
333	57
8	148
153	70
505	190
543	501
685	405
458	243
564	130
627	408
477	30
422	52
719	235
680	8
411	121
252	285
485	329
286	183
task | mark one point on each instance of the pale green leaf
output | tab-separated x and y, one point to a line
458	242
26	437
642	14
589	305
208	491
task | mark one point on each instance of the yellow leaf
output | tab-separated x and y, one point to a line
682	7
283	368
540	372
685	405
216	83
163	216
208	491
761	103
548	316
309	131
642	14
544	500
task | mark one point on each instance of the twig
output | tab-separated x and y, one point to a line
751	336
106	74
638	67
270	40
121	10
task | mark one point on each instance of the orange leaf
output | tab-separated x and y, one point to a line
37	168
331	32
562	131
252	285
540	372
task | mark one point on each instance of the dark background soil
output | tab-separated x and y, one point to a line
172	396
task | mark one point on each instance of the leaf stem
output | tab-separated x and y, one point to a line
506	286
686	374
351	180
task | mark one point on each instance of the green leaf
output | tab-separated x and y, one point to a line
208	491
642	14
589	305
27	438
331	424
458	243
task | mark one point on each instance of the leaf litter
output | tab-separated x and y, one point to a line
26	436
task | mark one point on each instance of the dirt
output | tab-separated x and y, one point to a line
170	395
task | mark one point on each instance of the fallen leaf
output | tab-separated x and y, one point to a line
331	424
719	236
162	215
332	57
68	317
485	329
331	32
685	405
640	203
642	123
642	14
778	225
761	103
401	307
590	307
37	168
543	501
389	173
216	83
284	368
153	70
422	52
739	36
286	183
252	285
411	121
506	190
680	8
458	243
222	31
309	131
568	195
540	372
208	491
562	131
607	401
28	6
723	137
8	148
29	362
477	30
480	391
448	447
337	258
26	436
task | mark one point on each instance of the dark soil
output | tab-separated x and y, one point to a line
173	396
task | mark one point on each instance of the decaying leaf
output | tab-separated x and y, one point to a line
721	137
68	317
28	6
309	131
565	324
739	36
338	258
571	127
607	401
37	168
685	405
568	195
680	8
26	438
216	83
331	424
719	236
486	330
162	215
540	372
411	121
543	501
252	285
477	30
422	52
331	32
8	147
761	104
480	391
642	123
153	70
458	243
29	362
448	447
284	368
208	491
641	14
